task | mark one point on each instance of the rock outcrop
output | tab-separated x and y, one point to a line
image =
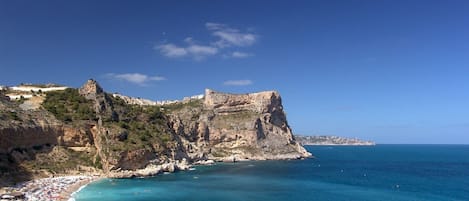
32	141
237	127
88	128
91	89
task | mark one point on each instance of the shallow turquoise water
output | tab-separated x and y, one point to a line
382	172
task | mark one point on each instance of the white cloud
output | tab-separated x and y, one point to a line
229	36
237	82
171	50
189	40
237	54
226	37
200	50
136	78
214	26
195	51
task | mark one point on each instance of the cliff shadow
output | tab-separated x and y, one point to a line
11	172
19	148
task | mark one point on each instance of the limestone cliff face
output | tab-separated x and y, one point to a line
129	137
31	141
35	136
24	129
236	127
262	102
87	127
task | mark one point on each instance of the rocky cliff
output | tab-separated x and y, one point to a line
236	127
87	129
35	143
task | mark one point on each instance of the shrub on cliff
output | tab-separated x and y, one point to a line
143	126
69	106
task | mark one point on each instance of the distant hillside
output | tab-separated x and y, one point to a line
330	140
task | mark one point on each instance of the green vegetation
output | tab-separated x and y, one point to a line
69	106
128	127
12	115
21	100
143	127
61	159
9	115
197	103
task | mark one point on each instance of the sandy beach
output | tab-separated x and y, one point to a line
55	188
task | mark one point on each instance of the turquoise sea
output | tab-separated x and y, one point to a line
338	173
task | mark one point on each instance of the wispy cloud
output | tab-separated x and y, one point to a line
237	82
200	51
195	51
226	37
136	78
171	50
237	54
229	36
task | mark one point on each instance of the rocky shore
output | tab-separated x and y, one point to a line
63	187
151	170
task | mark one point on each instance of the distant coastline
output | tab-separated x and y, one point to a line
332	140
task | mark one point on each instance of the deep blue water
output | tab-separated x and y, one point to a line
348	173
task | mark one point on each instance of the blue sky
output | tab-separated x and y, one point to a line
388	71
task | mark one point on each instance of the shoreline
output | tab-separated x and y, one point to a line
63	188
60	188
151	171
67	195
